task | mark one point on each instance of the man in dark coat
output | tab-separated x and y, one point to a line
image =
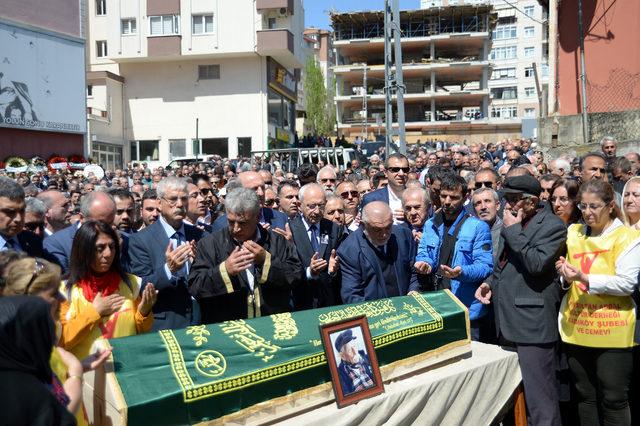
316	240
243	270
526	294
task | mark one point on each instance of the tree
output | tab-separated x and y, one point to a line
320	108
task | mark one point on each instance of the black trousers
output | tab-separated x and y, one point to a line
601	378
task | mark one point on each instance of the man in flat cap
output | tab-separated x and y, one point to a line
525	294
354	369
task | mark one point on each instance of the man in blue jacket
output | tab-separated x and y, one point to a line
456	250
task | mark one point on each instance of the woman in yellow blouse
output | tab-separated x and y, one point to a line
102	302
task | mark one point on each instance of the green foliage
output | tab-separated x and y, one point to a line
320	108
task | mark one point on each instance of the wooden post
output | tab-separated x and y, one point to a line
519	408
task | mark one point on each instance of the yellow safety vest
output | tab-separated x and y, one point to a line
597	320
119	324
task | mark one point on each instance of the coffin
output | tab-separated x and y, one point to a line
264	369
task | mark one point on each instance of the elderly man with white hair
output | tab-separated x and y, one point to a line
328	178
560	167
388	247
244	270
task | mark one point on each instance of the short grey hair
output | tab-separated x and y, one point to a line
171	182
89	199
306	187
233	184
608	138
242	200
31	190
33	205
425	195
325	169
494	194
563	164
10	189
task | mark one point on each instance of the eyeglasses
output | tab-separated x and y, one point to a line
325	180
33	226
593	207
347	194
37	270
174	200
319	206
397	169
487	184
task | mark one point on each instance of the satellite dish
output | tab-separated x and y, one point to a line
95	169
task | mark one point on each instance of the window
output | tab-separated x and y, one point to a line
271	23
504	92
244	147
529	92
164	25
528	72
129	26
500	53
101	7
529	112
503	32
501	73
529	31
177	148
529	10
89	91
145	150
101	48
529	52
208	72
202	24
504	112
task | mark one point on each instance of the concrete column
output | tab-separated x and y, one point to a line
432	50
485	77
485	106
433	109
433	81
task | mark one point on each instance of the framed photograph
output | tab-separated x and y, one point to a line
352	360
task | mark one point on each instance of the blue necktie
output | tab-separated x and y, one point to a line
314	238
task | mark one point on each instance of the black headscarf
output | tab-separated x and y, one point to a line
27	335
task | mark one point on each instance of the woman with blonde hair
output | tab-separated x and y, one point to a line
631	202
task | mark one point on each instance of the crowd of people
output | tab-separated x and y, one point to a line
544	253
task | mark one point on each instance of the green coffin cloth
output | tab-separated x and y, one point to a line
205	372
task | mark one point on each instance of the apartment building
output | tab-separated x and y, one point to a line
446	70
42	101
172	78
519	44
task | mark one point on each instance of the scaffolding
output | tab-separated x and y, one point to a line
414	23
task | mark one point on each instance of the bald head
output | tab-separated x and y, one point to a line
254	181
378	221
98	205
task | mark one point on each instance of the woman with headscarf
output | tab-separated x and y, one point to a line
598	316
631	202
102	301
27	335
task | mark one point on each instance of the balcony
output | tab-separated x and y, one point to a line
279	44
275	4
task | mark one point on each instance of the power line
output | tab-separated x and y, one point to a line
521	11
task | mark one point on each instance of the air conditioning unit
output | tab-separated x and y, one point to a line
282	12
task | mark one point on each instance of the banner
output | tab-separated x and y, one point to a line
208	371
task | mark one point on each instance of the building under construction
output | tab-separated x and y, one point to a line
446	68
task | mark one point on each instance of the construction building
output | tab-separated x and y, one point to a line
446	69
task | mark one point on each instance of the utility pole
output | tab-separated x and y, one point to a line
583	78
394	83
365	111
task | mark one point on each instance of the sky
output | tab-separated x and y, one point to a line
316	12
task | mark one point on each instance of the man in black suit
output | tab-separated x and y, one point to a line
243	270
526	294
316	240
12	233
162	254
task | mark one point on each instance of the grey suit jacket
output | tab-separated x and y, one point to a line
526	292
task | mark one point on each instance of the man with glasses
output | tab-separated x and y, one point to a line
270	198
162	254
351	197
397	170
525	293
34	215
593	166
316	240
328	178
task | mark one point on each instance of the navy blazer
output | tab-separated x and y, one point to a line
31	244
147	248
381	194
58	245
273	217
362	277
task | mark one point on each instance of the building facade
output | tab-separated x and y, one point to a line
446	70
42	100
173	78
